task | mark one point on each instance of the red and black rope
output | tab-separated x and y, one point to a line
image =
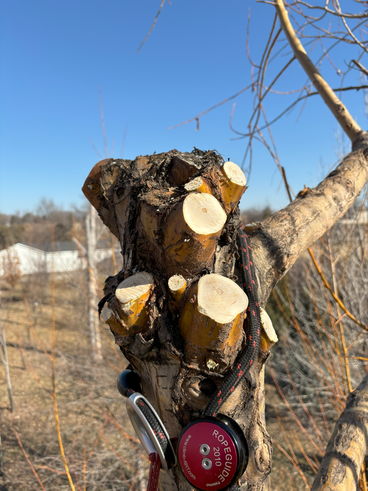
249	356
154	472
244	363
155	425
155	463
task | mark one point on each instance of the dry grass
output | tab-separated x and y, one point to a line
100	445
92	414
313	365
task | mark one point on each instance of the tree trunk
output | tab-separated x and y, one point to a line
94	332
182	239
5	361
176	217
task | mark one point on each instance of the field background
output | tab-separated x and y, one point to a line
58	387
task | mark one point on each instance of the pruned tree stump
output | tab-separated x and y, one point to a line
177	309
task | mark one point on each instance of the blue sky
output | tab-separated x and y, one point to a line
55	55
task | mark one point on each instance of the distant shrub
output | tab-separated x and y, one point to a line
11	268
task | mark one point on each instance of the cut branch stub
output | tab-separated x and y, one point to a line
232	185
191	233
198	185
182	170
130	306
212	321
268	333
96	196
177	285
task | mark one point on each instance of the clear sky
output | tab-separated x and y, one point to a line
55	55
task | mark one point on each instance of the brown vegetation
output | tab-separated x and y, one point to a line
305	398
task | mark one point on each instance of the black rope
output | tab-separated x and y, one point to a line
247	359
154	424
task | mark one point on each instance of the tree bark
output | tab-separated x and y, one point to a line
346	450
5	361
137	200
278	241
94	332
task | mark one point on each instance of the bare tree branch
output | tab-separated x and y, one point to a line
348	445
103	122
360	66
153	25
351	128
348	28
340	89
280	239
333	12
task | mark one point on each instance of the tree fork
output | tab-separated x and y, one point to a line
137	199
191	331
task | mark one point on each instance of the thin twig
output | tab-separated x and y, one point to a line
27	458
153	25
310	94
103	122
341	325
350	315
211	108
56	413
297	467
361	67
296	419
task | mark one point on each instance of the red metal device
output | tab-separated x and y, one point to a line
212	453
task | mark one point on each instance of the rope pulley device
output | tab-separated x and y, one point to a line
146	422
212	452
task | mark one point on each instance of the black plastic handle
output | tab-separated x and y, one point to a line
128	380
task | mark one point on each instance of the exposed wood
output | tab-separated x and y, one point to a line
199	185
232	185
346	450
191	233
132	303
211	322
182	170
177	285
268	333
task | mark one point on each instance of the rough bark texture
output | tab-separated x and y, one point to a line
279	240
134	199
340	467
